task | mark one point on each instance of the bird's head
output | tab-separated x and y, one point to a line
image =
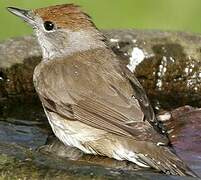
61	30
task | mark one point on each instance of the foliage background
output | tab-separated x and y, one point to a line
179	15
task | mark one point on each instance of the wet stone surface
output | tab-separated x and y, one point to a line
23	134
185	135
167	64
29	147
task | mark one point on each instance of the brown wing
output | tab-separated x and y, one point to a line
145	105
103	99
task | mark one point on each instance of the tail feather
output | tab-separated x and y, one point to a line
162	159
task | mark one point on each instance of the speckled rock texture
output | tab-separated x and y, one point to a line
166	63
170	70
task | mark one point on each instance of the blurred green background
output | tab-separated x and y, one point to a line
179	15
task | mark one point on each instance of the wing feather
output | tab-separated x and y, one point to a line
100	97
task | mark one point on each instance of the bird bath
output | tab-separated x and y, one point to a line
168	66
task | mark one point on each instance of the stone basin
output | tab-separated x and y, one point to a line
166	63
23	154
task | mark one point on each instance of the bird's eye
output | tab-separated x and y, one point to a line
49	26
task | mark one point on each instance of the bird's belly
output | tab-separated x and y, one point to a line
73	133
67	137
90	140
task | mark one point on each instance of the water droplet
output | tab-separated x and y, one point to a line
134	41
172	59
114	40
136	58
76	73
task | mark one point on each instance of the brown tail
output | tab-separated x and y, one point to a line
162	159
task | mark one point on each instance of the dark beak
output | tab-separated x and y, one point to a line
26	15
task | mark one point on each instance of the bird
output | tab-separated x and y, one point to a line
92	101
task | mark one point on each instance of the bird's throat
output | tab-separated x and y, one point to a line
65	42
